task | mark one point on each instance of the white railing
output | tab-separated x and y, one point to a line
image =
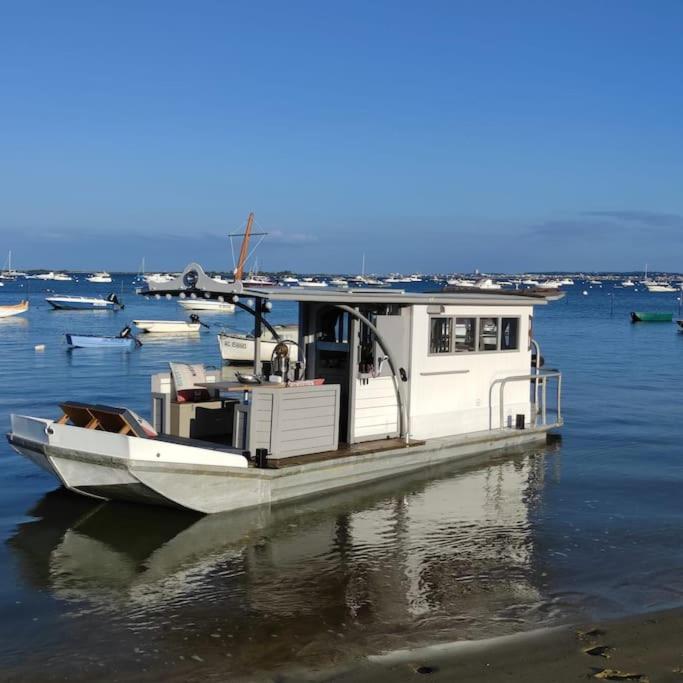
539	403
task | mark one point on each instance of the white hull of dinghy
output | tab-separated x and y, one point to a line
207	305
239	348
166	326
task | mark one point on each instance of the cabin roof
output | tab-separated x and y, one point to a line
366	295
194	281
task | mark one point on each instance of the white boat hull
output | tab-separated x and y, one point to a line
166	326
207	305
116	467
239	348
661	289
82	303
103	464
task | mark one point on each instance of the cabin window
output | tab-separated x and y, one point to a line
488	334
441	333
465	334
509	337
448	334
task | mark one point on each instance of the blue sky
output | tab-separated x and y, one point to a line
433	136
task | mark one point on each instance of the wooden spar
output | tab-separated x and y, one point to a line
244	250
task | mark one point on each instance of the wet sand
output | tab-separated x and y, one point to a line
641	648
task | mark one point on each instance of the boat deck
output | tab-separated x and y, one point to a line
344	450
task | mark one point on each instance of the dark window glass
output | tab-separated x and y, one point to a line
488	334
509	337
440	335
465	334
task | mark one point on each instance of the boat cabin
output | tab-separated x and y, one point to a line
373	369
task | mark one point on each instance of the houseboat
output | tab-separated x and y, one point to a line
385	382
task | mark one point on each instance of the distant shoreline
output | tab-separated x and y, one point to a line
579	274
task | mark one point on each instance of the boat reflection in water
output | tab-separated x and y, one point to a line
443	555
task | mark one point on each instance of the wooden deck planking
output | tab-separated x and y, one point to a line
342	452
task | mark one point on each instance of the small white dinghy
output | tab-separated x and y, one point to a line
207	305
170	326
236	347
14	309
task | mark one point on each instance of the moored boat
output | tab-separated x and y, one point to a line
660	287
124	340
460	282
100	278
14	309
549	284
487	283
312	282
255	280
85	303
651	317
169	326
157	278
236	347
201	304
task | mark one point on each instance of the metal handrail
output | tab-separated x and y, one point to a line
404	427
534	377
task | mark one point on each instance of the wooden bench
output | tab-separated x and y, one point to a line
103	418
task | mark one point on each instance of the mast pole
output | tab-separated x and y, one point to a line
244	250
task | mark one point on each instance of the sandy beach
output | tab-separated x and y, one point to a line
641	648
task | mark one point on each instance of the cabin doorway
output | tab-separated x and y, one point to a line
333	357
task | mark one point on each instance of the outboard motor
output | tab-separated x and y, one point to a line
115	300
194	318
126	333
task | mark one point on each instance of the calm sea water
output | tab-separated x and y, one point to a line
591	526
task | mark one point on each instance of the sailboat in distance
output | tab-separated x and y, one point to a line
364	280
8	273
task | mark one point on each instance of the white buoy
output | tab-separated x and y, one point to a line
40	347
585	293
